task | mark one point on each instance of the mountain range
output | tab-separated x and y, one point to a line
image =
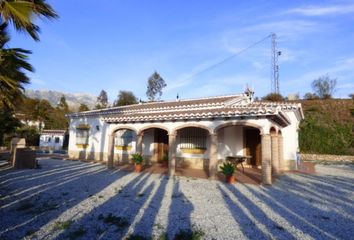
73	99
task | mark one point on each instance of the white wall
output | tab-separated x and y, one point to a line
52	144
231	142
291	137
148	142
98	137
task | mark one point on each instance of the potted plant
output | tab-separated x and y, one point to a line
228	169
138	161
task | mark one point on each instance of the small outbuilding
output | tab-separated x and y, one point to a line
52	139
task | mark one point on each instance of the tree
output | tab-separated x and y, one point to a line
324	86
351	96
8	122
125	98
21	14
155	86
63	105
83	107
13	64
102	100
310	96
273	97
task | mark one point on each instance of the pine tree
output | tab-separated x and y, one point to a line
155	85
63	105
102	100
83	107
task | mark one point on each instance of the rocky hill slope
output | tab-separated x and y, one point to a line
73	99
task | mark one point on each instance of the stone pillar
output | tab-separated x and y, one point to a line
213	156
139	143
16	143
110	151
266	160
281	153
171	154
275	154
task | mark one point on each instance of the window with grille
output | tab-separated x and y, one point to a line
124	138
193	138
82	136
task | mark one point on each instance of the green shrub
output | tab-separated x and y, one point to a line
195	234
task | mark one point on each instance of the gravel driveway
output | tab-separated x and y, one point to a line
73	200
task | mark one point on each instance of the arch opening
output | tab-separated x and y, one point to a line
192	145
240	139
155	145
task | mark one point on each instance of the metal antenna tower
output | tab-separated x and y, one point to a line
275	67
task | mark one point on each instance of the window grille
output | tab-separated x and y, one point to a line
82	136
193	138
124	137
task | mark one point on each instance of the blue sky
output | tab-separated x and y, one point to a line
116	45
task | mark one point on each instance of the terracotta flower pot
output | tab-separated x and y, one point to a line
230	179
138	168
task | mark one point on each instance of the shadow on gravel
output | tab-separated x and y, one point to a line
147	222
260	215
41	195
179	212
110	220
312	213
247	226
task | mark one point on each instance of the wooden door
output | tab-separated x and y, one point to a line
161	143
253	145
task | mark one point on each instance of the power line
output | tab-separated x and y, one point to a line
228	58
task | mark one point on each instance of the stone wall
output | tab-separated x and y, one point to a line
24	158
83	155
322	157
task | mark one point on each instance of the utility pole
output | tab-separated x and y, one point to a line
275	67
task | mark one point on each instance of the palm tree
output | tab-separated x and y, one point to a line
22	12
13	63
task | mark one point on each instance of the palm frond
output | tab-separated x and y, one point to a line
13	67
21	14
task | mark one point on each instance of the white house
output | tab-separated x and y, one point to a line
52	139
195	133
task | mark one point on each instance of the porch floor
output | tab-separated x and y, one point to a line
250	175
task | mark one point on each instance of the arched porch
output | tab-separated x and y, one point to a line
182	148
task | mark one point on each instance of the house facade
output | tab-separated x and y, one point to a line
52	139
194	133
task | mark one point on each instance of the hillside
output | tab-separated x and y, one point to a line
340	110
73	99
328	127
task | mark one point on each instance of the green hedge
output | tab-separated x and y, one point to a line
320	134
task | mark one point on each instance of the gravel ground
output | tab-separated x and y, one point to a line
73	200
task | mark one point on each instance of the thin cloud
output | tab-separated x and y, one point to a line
322	11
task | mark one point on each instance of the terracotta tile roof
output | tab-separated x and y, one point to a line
205	108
